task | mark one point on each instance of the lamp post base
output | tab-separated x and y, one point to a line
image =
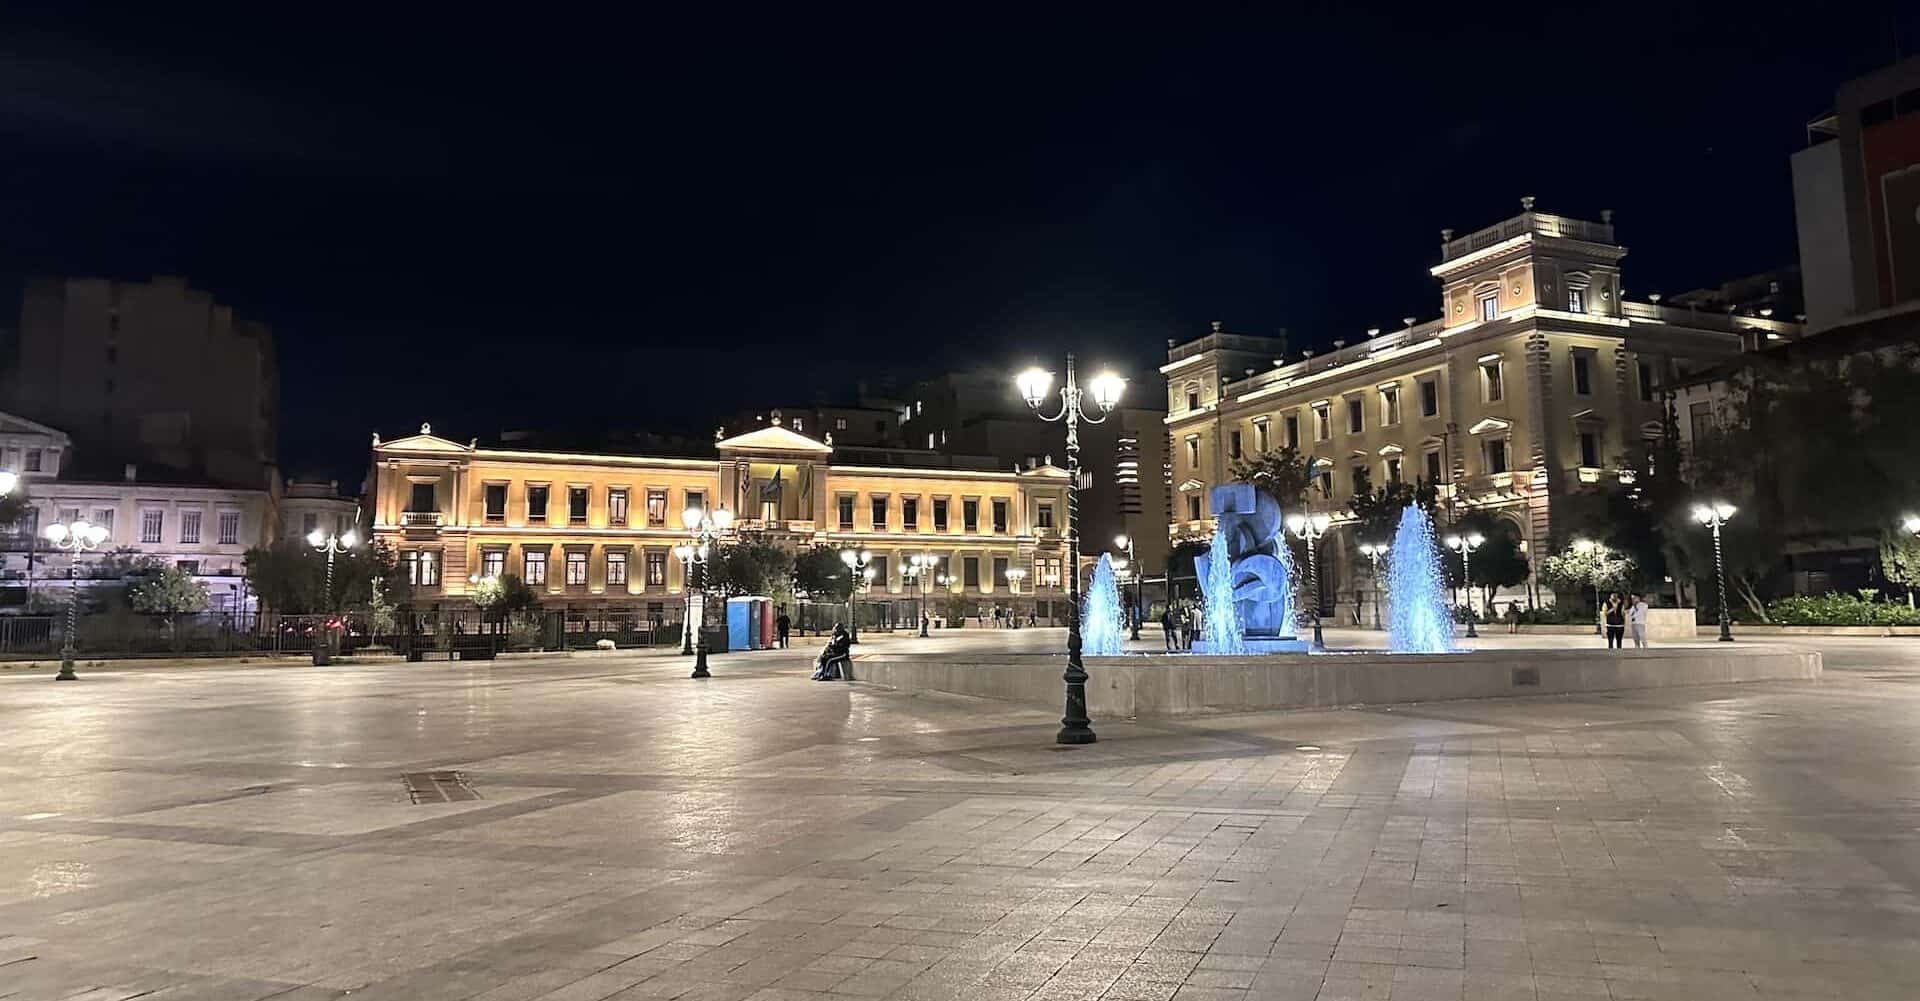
66	672
700	664
1083	734
1472	633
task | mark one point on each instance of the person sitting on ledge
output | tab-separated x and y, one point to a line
838	652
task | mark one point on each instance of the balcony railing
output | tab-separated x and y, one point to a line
420	519
1538	223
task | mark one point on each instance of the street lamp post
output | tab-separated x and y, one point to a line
707	530
1594	552
1139	601
1465	545
920	568
330	544
1106	388
1373	551
73	539
857	563
1310	527
1014	576
1713	515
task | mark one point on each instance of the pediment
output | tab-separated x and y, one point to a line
425	441
1392	450
1191	485
773	438
1490	424
15	424
1046	471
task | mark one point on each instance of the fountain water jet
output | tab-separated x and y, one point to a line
1221	631
1417	614
1101	632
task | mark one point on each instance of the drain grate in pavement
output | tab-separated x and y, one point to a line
438	787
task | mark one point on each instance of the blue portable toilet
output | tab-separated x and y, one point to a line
740	624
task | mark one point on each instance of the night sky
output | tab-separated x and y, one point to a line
557	218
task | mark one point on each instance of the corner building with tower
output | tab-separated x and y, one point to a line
1532	388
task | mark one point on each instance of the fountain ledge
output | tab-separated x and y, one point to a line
1188	684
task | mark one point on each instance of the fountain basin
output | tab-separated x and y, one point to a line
1187	684
1259	645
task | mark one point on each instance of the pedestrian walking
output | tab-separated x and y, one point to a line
783	626
1637	621
1616	620
1166	625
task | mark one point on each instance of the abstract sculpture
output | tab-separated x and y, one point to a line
1247	526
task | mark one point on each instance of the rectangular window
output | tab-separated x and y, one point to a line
1293	431
1490	307
577	505
1700	416
229	528
616	506
617	568
970	515
420	498
1589	450
970	572
496	501
576	567
940	514
1389	405
1646	382
697	499
999	572
150	526
1491	388
103	517
1429	397
1322	421
1260	443
1356	416
1046	571
845	505
1193	452
1325	482
536	503
656	507
421	568
1193	399
656	569
910	514
188	566
1000	516
309	523
190	527
1433	467
1393	470
493	563
1577	299
878	506
1496	452
69	515
1582	373
1362	481
1193	507
839	423
33	460
534	567
1043	516
1233	444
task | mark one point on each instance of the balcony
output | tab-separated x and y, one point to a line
421	519
1536	223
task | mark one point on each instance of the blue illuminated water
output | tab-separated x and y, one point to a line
1101	633
1221	631
1417	618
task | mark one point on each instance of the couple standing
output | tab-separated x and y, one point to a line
1623	615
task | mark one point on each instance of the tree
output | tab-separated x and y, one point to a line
749	566
1377	513
1497	563
290	576
1587	568
170	592
1900	560
823	575
1279	473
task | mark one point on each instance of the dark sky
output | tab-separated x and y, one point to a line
544	216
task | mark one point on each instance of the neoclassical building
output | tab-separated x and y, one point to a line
598	530
1535	383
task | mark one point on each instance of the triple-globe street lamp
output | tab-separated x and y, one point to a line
1014	576
859	563
1373	551
330	544
1714	514
1106	388
707	530
920	569
1596	552
1125	542
1310	527
1465	545
73	538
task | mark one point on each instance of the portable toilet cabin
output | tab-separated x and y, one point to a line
740	624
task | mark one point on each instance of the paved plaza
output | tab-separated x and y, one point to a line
242	832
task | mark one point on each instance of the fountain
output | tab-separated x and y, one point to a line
1247	577
1101	631
1417	614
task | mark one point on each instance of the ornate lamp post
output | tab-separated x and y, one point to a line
707	530
1465	545
920	568
856	562
330	544
1014	576
1106	388
1133	560
1373	551
73	539
1713	515
1596	552
1310	527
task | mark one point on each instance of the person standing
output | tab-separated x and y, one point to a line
783	627
1637	621
1513	616
1616	620
1166	624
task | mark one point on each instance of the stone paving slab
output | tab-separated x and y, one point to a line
233	833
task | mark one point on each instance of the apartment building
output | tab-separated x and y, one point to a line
1534	384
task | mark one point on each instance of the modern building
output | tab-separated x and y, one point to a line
1532	387
597	530
152	373
1856	192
